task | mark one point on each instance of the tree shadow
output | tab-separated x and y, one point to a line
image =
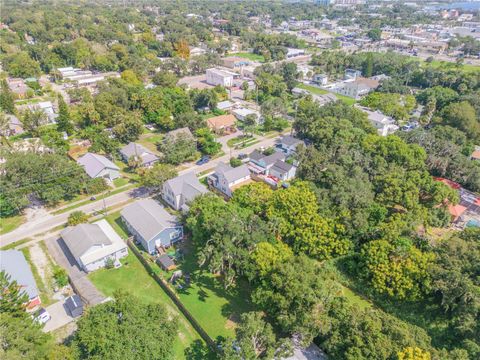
198	350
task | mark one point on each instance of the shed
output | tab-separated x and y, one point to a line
74	305
165	262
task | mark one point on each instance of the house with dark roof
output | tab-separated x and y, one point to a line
226	178
94	245
140	152
288	144
283	170
261	164
98	166
74	305
151	224
180	191
14	264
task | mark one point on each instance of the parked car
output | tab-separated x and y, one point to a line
242	156
42	316
203	160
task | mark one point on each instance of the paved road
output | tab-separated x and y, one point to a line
44	224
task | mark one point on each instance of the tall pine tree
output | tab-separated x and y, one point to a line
63	120
6	98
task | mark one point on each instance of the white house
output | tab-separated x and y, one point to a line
226	178
219	77
98	166
320	79
288	144
93	245
242	113
357	88
385	125
180	191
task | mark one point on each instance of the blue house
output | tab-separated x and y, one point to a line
151	225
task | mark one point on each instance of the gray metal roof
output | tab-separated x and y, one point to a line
73	302
165	260
232	174
134	149
13	262
290	140
282	167
176	132
94	163
267	159
187	185
148	218
82	237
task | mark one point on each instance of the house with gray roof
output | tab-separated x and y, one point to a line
185	131
385	125
283	170
14	264
151	224
140	152
261	164
288	144
98	166
226	178
180	191
93	245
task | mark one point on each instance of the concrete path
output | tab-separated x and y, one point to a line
60	317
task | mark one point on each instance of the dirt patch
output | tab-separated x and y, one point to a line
42	263
232	321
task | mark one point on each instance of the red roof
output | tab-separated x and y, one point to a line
450	183
456	210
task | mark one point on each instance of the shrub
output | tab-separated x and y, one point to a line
77	217
60	276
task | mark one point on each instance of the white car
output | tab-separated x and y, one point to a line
42	316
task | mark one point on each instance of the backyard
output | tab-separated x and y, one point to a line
133	278
250	56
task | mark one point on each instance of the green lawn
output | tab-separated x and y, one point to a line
120	182
452	65
115	221
317	91
250	56
133	278
313	89
216	309
8	224
150	141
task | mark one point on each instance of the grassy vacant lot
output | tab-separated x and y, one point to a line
8	224
464	67
250	56
215	308
133	278
150	141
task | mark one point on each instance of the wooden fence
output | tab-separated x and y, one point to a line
164	285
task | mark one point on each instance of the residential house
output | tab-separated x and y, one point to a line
15	126
151	225
242	113
291	52
220	77
15	265
352	74
18	87
222	124
385	125
475	154
283	170
271	165
180	191
139	152
227	178
44	106
94	245
357	88
261	164
225	105
172	135
288	144
320	79
197	51
235	62
98	166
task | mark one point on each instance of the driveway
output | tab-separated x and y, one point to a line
60	317
78	278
